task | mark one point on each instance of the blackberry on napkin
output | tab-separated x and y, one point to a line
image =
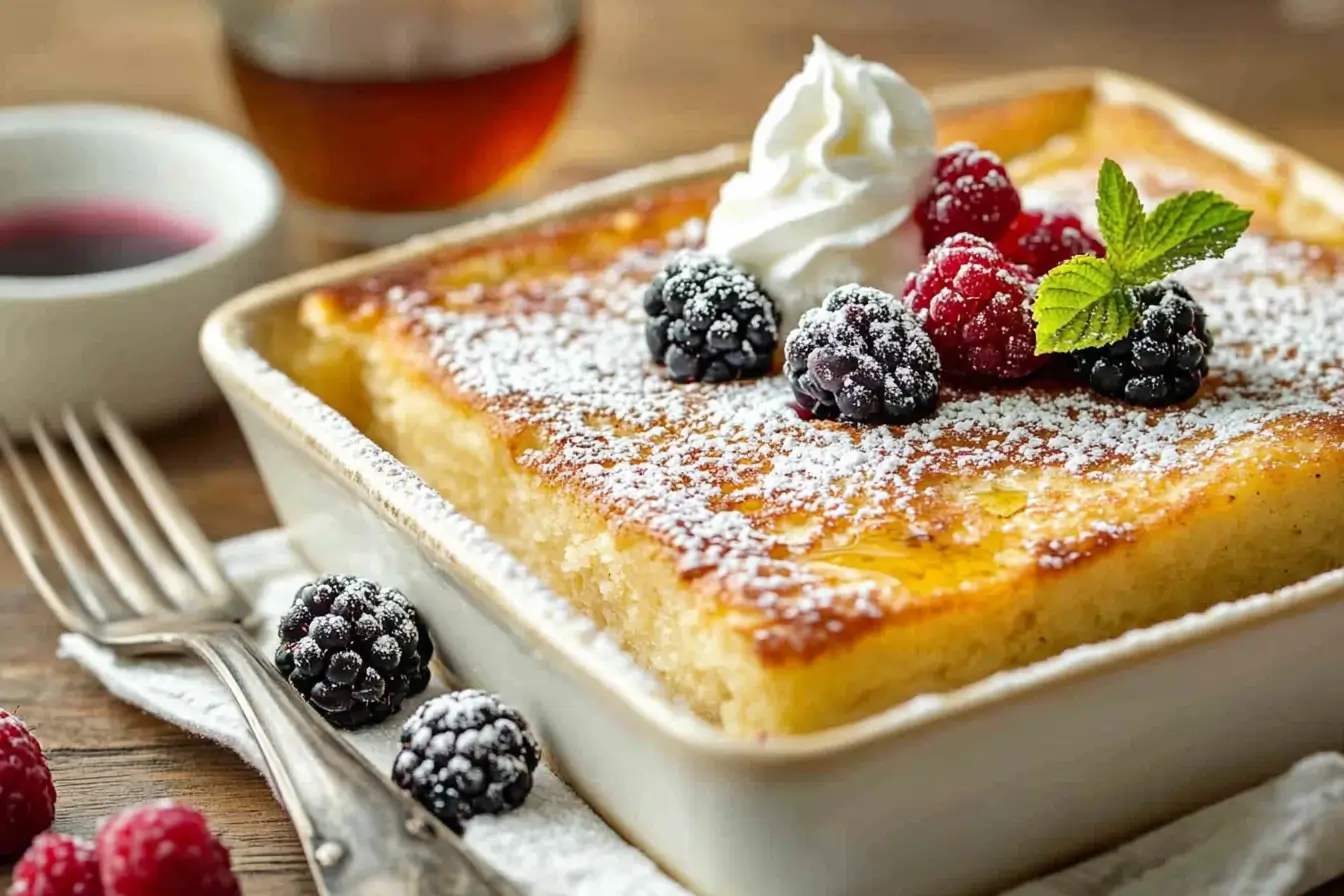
354	650
464	754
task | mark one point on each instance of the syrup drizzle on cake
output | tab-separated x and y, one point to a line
745	492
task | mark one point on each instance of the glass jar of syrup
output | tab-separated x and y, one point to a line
388	117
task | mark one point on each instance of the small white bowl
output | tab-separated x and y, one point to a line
129	335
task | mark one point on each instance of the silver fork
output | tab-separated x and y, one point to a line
362	836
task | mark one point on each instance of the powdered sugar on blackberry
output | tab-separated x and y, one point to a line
862	356
741	488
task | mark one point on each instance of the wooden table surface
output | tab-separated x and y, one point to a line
659	78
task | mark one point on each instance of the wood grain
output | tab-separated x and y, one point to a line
659	78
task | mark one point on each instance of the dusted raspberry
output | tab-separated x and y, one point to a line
1040	240
162	849
971	194
57	865
976	306
27	796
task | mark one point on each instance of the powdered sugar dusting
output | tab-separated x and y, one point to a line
412	501
743	490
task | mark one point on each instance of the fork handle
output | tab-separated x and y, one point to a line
362	836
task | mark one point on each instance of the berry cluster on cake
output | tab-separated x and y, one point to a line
1000	290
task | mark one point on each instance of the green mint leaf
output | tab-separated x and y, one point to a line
1183	230
1119	214
1086	302
1081	304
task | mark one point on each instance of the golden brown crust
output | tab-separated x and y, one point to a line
804	539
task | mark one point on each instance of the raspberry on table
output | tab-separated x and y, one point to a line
1040	240
27	796
1163	360
976	306
465	754
355	651
709	321
162	849
57	865
971	193
862	357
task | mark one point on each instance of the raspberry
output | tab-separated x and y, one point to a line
465	754
353	650
57	865
709	321
1164	358
162	849
863	357
971	194
27	796
1039	240
976	306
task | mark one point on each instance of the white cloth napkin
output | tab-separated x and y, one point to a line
1281	839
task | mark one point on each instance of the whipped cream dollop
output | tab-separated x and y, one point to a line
838	161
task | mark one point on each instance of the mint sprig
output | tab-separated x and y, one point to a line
1119	214
1186	229
1088	302
1080	304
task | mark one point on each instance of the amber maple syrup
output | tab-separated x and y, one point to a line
412	135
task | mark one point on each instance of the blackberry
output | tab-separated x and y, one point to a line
353	650
864	357
1164	358
464	754
709	321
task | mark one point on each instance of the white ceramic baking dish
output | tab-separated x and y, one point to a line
959	793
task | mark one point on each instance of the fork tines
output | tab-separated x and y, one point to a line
145	564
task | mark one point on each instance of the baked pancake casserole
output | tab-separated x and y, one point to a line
783	573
